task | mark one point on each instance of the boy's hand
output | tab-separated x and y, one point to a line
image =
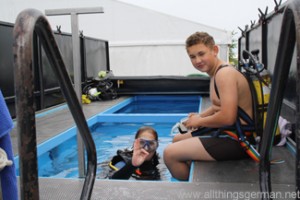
192	121
192	114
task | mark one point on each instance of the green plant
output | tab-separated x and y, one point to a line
232	50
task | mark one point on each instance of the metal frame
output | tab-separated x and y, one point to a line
74	12
288	37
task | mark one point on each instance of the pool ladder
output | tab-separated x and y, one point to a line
30	25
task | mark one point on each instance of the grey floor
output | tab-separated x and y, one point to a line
211	180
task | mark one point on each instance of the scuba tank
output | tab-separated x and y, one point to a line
260	77
261	81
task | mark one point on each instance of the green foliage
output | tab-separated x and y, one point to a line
232	50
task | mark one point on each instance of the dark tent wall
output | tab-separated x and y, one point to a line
94	54
6	64
47	87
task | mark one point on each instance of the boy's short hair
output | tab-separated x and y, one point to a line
200	38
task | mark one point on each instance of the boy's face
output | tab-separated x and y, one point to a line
202	57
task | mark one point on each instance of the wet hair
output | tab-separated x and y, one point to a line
146	128
200	38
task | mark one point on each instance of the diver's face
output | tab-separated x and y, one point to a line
148	142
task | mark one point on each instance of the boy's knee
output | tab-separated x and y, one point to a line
176	138
167	153
179	137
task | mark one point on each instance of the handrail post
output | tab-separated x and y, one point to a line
26	130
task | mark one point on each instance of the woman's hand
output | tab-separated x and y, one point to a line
139	154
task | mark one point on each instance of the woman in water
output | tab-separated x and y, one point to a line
140	162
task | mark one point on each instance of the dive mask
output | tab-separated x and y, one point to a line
148	145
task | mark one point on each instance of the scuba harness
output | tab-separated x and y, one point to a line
260	83
239	132
100	88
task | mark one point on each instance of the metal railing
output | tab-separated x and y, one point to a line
289	36
29	25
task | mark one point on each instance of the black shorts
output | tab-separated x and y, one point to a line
223	148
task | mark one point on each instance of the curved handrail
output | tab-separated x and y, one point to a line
288	37
29	24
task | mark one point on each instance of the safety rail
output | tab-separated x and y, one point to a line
30	25
290	34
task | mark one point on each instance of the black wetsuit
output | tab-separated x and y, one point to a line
147	171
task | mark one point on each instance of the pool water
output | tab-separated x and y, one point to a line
115	129
161	104
62	161
160	107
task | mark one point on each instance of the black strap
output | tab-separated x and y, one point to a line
203	130
215	84
125	172
241	113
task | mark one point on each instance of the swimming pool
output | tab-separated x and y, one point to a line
113	130
160	104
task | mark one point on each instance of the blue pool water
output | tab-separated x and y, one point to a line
161	105
114	129
61	161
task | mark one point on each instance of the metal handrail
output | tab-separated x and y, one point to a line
288	37
31	23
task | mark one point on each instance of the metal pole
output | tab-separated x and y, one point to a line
77	82
74	12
